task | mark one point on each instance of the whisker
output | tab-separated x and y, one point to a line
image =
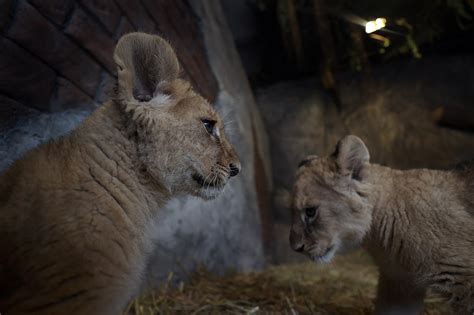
213	182
229	122
205	181
216	178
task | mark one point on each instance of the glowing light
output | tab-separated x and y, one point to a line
384	40
375	25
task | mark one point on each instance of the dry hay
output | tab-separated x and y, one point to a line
346	286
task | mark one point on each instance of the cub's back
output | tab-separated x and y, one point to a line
24	197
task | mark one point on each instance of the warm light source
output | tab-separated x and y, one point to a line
375	25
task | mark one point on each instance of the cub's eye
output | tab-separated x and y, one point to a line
209	125
310	212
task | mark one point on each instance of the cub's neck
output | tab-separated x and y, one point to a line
410	208
106	143
420	190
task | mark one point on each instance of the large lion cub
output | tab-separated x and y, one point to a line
418	224
76	215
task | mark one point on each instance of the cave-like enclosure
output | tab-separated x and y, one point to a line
292	77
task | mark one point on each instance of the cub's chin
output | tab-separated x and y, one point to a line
323	255
209	193
207	189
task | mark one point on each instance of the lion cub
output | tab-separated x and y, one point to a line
418	225
76	214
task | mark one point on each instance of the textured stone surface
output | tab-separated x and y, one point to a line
54	48
107	13
124	27
55	10
67	96
24	78
10	112
75	39
86	32
5	13
246	27
138	16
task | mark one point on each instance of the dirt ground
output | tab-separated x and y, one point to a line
345	287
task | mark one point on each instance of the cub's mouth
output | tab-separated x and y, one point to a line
215	182
326	256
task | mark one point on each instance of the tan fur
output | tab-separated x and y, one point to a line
76	214
417	224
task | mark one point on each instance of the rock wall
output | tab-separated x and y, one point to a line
222	234
56	54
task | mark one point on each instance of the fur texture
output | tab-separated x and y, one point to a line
76	214
417	224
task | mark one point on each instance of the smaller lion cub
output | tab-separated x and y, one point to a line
418	224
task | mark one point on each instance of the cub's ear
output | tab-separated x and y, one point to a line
351	155
144	64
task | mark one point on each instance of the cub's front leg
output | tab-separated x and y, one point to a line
396	296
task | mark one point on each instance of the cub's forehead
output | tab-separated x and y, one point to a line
195	105
314	185
307	193
314	167
203	107
317	174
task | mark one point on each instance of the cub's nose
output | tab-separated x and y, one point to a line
296	242
234	169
